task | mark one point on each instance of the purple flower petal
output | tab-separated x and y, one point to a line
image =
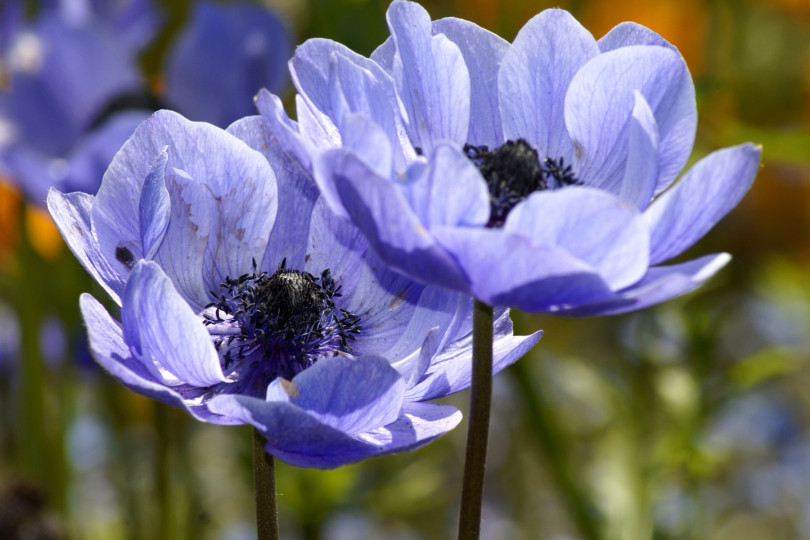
482	51
660	284
154	208
506	269
349	394
72	215
599	105
449	191
641	172
298	438
630	33
450	371
107	346
159	324
706	193
534	77
432	78
381	211
595	227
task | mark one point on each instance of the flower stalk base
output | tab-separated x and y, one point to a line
478	431
264	482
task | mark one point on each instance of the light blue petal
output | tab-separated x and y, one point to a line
482	51
107	346
379	209
641	172
534	77
354	89
296	437
349	394
238	182
71	213
432	79
160	326
297	194
92	154
707	192
185	243
451	370
155	206
598	229
599	105
506	269
449	191
661	283
630	33
285	131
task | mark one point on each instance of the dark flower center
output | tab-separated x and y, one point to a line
278	325
513	172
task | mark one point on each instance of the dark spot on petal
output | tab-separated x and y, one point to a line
124	256
398	300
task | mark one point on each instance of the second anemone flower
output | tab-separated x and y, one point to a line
539	174
245	300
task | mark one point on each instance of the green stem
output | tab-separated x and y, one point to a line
264	482
555	452
472	492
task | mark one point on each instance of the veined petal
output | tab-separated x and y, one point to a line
599	105
449	191
298	438
598	229
534	77
641	172
155	205
378	208
107	345
354	89
450	371
159	325
297	193
72	215
660	284
431	76
629	33
349	394
185	242
239	183
482	51
106	341
507	269
707	192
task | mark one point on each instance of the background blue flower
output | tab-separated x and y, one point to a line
74	93
573	216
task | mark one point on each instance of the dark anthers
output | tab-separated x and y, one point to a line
513	172
290	315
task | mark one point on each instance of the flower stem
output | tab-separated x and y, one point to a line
264	482
472	493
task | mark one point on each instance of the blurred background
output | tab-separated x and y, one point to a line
690	420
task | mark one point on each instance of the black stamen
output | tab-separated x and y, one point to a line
290	316
513	172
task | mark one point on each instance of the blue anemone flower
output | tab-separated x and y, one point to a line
73	93
245	300
539	174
